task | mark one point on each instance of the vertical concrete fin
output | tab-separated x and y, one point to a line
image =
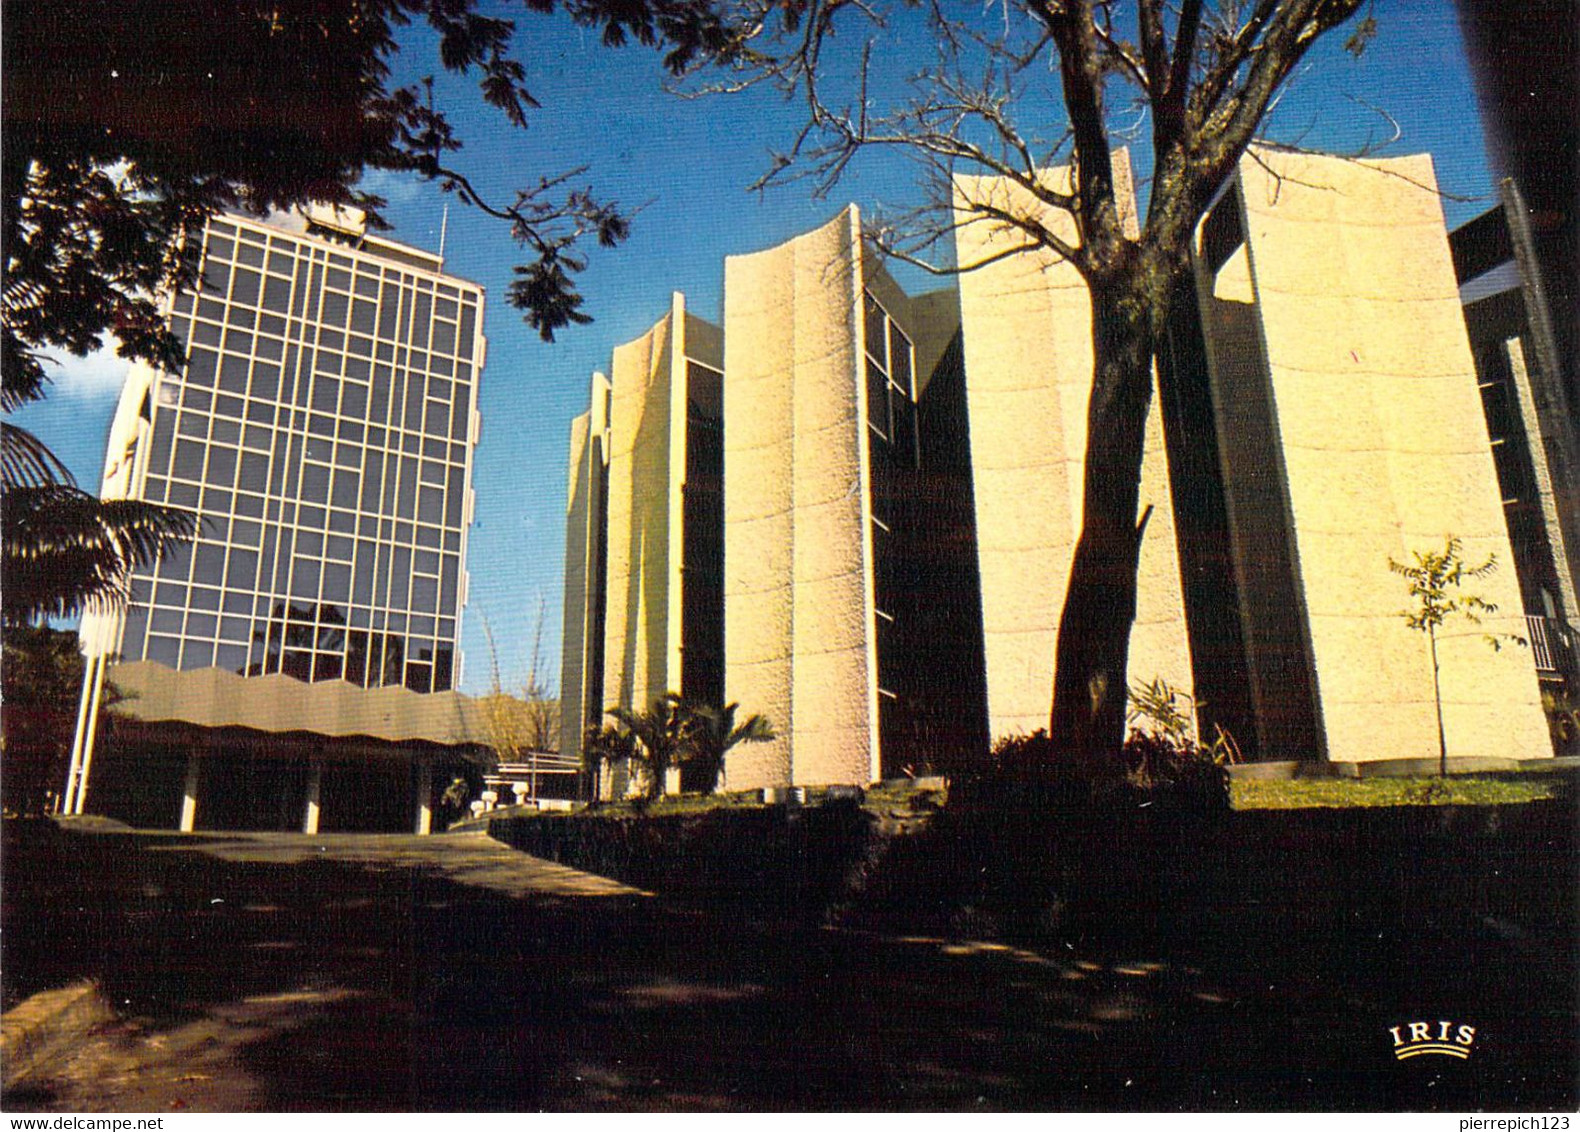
1027	328
1375	412
797	593
644	478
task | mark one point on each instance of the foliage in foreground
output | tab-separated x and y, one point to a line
675	732
43	680
127	124
1563	720
1162	764
1151	771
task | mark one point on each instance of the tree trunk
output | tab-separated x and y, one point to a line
1090	679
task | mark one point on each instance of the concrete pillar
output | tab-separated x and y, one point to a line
98	664
315	783
68	799
189	791
424	797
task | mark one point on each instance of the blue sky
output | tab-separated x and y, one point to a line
687	164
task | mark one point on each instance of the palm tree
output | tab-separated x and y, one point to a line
714	731
601	749
64	551
664	733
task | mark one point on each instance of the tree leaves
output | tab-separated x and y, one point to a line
129	122
26	461
677	730
65	551
1435	582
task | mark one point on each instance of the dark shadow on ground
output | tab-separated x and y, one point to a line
322	984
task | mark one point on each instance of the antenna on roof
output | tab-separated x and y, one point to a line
444	224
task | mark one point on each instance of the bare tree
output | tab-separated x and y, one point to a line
537	693
1019	87
521	723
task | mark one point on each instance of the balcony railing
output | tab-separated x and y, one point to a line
1552	643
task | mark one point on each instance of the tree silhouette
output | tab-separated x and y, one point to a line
128	122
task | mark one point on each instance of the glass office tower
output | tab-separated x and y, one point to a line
324	430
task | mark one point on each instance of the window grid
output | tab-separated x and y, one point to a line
308	532
890	366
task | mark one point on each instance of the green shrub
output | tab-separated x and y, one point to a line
1167	774
1180	775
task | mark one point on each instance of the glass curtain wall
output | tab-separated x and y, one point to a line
322	429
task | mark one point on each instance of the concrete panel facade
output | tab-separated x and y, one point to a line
800	644
1351	433
866	493
581	684
1027	328
647	469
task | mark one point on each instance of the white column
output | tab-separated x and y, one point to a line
68	799
189	793
100	663
424	797
315	783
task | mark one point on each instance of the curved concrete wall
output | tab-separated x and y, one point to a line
213	697
799	639
1027	328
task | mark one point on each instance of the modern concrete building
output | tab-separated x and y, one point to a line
820	563
644	603
801	611
851	606
902	486
323	430
663	615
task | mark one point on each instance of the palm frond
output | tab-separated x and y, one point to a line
22	376
66	552
26	461
756	729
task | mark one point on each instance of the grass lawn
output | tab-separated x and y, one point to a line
1457	790
1246	794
